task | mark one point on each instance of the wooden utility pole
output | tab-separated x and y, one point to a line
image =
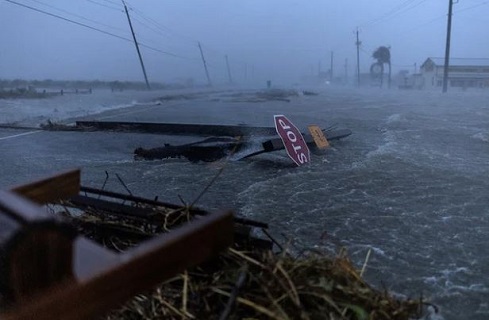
205	66
447	47
358	59
331	66
137	46
229	70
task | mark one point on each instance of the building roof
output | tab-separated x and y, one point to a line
460	62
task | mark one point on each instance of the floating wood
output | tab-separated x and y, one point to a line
177	128
141	211
89	193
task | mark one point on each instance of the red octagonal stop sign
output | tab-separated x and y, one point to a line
293	141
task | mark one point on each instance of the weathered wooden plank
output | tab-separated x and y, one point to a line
178	128
139	269
119	209
60	186
135	199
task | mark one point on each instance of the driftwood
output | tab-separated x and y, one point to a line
215	148
208	150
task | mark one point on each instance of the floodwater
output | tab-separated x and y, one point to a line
410	184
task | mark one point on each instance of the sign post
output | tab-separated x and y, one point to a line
293	141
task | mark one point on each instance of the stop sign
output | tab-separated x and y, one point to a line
293	141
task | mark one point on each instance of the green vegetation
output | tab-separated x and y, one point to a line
19	88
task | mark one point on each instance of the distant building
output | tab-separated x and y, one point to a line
462	73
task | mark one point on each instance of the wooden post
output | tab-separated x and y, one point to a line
205	67
137	46
229	70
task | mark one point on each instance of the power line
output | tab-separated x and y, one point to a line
68	20
106	6
149	27
394	13
472	7
96	29
113	2
76	15
161	27
390	12
168	31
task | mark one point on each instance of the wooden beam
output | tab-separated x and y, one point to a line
60	186
139	269
36	249
177	128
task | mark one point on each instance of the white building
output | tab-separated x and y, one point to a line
463	73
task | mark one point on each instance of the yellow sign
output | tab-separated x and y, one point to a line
318	136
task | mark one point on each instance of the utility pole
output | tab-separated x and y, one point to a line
447	47
137	46
358	43
331	74
229	70
205	66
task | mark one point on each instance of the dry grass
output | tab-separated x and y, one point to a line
252	284
264	285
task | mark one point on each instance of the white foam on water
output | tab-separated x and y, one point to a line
383	149
394	118
483	136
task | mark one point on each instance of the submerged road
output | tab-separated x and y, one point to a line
410	184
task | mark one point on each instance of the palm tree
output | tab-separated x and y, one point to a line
383	56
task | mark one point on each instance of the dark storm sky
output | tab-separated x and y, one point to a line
280	39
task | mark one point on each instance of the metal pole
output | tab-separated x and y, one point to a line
137	46
205	67
447	47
